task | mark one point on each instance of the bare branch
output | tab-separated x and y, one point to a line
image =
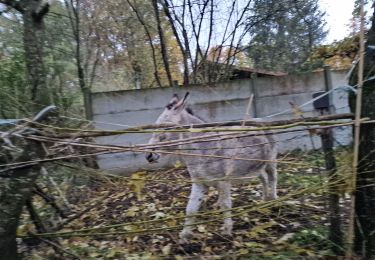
148	33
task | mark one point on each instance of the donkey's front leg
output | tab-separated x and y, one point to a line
265	183
225	202
272	179
195	201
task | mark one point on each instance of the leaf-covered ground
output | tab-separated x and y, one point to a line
140	217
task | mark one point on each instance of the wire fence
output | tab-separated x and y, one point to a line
57	139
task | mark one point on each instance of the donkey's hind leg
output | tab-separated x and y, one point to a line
264	179
271	171
225	202
195	201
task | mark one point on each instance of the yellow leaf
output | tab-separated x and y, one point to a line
22	230
269	253
132	211
178	164
137	183
243	251
296	111
172	222
201	229
94	254
253	244
166	249
111	253
207	249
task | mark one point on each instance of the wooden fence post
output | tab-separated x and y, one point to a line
335	232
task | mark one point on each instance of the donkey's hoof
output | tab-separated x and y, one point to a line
226	231
270	197
185	236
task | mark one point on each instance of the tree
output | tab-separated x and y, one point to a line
15	189
365	189
127	45
338	55
284	40
13	83
83	57
15	101
198	26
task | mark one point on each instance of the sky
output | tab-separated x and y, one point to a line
338	14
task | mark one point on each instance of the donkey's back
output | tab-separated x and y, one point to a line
232	156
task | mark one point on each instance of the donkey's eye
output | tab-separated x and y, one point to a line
170	105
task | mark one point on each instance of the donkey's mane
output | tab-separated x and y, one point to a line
190	111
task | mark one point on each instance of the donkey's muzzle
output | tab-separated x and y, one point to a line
152	157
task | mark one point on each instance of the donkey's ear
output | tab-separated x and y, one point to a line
182	103
175	96
175	99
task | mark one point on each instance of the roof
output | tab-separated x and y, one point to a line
240	72
260	71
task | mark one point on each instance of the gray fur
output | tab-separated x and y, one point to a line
205	171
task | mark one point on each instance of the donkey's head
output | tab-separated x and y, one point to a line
174	113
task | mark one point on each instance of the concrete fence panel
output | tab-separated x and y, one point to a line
220	102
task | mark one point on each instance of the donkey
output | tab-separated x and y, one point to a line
206	171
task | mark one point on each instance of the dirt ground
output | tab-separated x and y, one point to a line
140	218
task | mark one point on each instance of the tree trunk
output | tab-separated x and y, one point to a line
185	53
16	185
15	188
335	233
364	243
163	44
33	39
150	40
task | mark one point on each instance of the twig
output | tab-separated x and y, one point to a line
35	217
50	200
116	149
171	127
44	172
238	211
59	248
79	214
357	127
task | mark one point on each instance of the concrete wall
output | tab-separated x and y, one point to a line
222	102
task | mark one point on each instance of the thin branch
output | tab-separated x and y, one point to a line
148	33
170	127
184	52
108	149
163	43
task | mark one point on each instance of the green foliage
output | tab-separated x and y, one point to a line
284	40
13	86
126	58
13	101
59	60
15	93
338	55
317	237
